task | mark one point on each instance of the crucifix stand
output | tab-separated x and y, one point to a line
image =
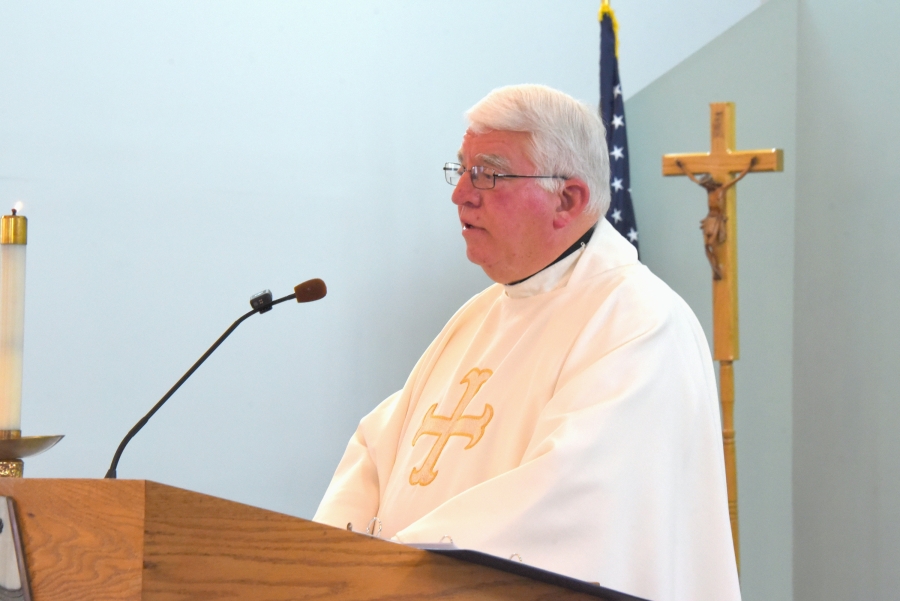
722	168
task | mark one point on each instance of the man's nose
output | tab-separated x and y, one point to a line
465	193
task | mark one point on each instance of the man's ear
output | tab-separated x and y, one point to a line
573	201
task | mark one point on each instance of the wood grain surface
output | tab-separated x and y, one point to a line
123	540
82	538
200	547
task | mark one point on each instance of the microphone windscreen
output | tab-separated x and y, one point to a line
310	290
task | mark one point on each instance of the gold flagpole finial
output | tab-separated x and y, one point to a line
606	9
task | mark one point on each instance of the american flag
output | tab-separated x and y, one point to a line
612	110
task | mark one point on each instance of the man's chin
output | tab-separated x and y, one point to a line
474	255
486	266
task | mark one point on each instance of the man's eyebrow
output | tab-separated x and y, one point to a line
488	160
493	160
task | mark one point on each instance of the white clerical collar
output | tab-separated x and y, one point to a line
551	278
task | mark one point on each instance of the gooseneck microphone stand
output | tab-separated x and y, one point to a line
262	302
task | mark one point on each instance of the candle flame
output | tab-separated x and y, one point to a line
17	208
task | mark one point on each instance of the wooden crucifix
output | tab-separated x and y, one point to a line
722	168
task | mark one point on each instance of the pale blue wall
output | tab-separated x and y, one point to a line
817	413
754	65
656	35
847	326
176	157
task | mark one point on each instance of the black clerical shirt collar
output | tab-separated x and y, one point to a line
578	244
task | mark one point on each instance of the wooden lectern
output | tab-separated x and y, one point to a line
136	540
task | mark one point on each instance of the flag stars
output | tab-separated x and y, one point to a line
616	215
632	235
617	184
617	153
618	121
617	91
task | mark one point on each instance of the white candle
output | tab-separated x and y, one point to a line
13	237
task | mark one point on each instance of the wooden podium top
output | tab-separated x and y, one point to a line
140	540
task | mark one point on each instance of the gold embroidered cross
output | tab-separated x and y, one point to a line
455	425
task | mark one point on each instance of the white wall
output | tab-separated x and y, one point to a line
175	158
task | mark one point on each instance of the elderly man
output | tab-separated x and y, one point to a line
568	413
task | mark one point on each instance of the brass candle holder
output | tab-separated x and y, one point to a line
14	448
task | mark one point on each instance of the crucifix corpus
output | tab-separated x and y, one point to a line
719	170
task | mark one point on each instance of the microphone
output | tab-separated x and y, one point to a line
308	291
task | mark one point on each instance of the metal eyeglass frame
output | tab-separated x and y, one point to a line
478	173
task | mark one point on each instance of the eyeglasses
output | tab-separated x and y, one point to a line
484	178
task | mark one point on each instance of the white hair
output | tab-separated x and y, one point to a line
567	136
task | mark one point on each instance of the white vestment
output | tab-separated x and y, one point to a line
586	439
